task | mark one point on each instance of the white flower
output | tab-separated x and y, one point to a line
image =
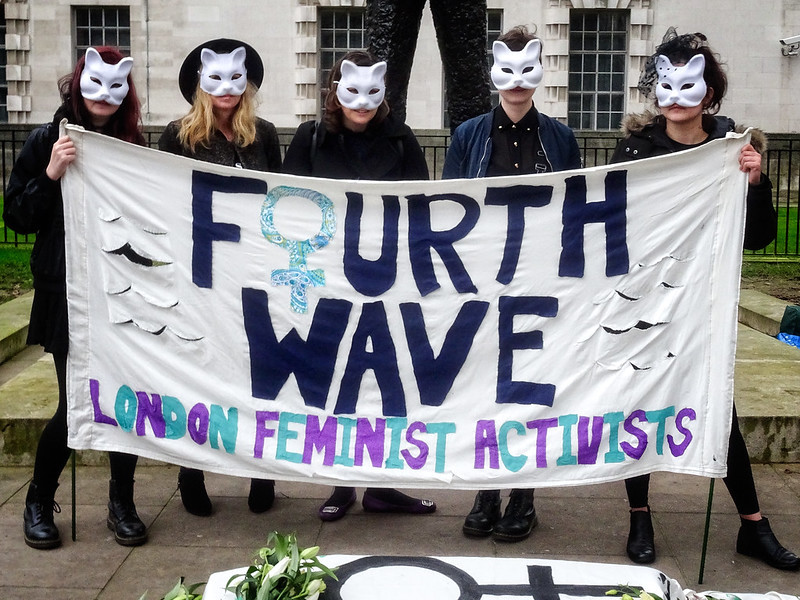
279	568
315	587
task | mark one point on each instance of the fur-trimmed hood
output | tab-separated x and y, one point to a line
637	124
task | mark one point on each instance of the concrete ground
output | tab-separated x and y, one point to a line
579	523
583	523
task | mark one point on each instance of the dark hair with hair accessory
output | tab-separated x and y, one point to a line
679	49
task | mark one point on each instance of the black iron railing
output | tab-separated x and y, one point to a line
782	164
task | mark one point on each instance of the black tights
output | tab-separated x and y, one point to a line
52	452
739	480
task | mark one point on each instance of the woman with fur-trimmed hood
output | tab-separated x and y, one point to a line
687	82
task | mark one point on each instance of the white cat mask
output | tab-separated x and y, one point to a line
361	87
684	85
103	82
522	68
223	74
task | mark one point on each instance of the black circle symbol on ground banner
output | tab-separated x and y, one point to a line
467	586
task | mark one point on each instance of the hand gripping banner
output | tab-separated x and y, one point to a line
542	330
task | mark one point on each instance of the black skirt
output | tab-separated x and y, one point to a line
49	326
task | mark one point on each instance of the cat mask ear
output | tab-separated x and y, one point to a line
104	82
361	87
522	68
683	85
223	74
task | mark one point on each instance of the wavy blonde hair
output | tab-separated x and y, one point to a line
199	124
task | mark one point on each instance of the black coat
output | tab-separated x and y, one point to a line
33	204
646	136
386	152
264	154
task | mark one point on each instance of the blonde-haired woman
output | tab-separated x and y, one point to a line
220	79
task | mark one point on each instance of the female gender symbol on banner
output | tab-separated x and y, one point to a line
449	582
297	276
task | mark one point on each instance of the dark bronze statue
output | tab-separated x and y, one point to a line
393	27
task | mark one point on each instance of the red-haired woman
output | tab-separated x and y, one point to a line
98	95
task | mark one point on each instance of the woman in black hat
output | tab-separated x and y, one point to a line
220	79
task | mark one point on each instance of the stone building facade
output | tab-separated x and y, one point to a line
593	51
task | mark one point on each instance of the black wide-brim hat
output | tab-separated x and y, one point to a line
189	73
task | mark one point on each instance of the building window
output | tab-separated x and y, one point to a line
598	45
340	31
102	26
3	63
494	29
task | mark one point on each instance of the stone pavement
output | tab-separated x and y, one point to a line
582	523
587	523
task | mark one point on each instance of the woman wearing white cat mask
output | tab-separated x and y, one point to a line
220	79
100	96
359	138
687	82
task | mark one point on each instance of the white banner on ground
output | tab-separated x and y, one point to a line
545	330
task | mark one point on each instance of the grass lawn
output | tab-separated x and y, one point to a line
15	272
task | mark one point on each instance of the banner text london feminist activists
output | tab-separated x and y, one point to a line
548	329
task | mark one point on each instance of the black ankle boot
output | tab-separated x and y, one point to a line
484	514
262	495
641	539
38	524
518	520
191	483
757	540
122	518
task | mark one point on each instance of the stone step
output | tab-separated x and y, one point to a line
766	392
14	316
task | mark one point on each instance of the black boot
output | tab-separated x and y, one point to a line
757	540
122	518
191	483
262	495
641	544
38	524
484	514
519	519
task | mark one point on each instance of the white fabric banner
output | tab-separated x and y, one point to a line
475	578
543	330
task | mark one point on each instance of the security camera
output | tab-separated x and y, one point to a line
790	45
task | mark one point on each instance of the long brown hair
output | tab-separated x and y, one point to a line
333	117
125	124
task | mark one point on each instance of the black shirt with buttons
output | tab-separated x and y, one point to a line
516	147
